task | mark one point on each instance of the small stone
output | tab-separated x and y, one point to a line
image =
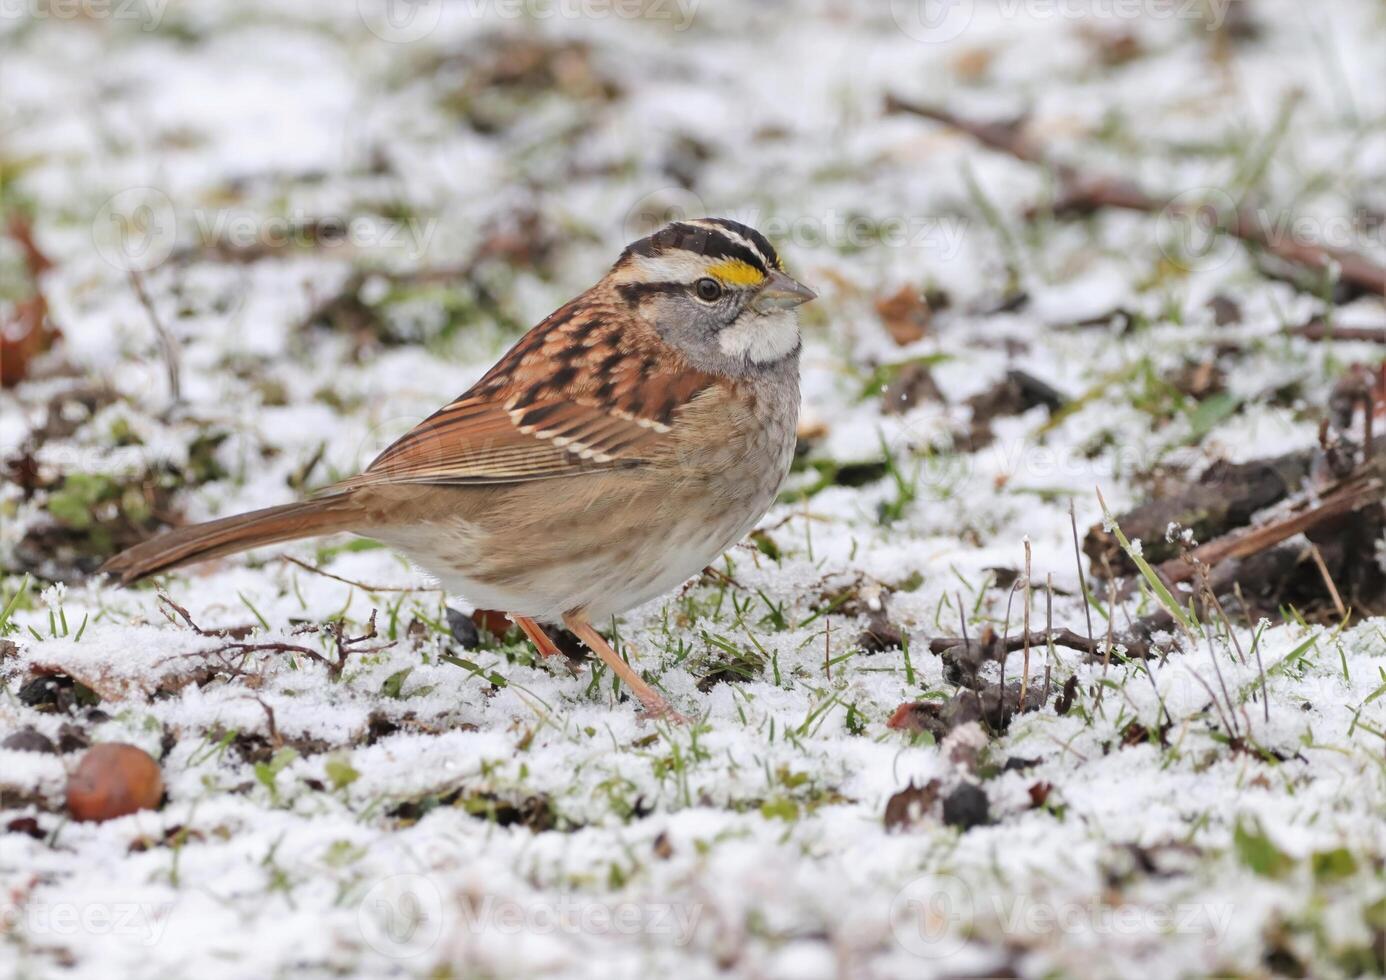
463	630
25	825
72	739
966	807
1225	310
880	634
28	740
40	690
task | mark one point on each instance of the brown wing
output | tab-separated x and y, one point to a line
586	390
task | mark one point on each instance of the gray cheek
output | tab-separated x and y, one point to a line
697	330
685	324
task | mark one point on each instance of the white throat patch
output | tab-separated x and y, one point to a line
763	339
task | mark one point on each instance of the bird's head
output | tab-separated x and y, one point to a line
715	290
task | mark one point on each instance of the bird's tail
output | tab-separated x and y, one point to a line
230	535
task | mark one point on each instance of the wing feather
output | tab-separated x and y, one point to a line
561	403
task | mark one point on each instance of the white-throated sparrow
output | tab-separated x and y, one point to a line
623	444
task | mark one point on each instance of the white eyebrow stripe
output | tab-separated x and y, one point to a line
674	265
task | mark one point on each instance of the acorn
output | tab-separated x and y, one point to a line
111	780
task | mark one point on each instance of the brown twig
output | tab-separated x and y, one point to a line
345	644
360	585
1211	596
167	344
234	632
1362	489
1065	638
1048	632
1005	647
1328	580
1085	193
1111	632
1082	577
1320	329
1025	629
1231	729
276	739
1217	669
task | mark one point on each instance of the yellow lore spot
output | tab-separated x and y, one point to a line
734	272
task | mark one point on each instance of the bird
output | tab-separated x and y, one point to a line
622	445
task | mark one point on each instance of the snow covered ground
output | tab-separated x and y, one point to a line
342	214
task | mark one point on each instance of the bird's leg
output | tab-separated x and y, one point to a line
536	634
655	704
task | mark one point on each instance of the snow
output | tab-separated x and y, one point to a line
413	817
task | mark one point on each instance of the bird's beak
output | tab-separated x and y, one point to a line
781	293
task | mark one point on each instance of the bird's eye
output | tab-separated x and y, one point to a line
708	290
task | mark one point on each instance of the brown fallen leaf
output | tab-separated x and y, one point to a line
911	805
912	384
913	717
906	315
1039	794
26	331
494	622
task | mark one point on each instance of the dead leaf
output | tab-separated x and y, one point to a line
1039	794
493	622
906	315
26	332
911	805
912	385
